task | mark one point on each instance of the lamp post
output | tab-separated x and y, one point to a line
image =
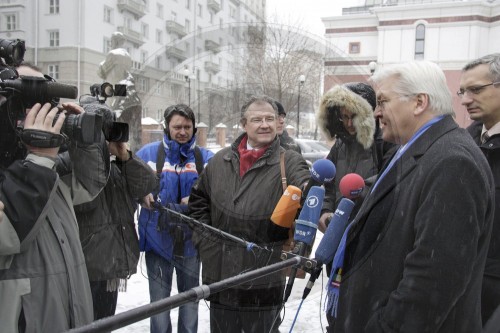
372	66
302	79
188	78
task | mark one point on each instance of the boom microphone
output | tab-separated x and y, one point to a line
351	186
305	228
287	207
322	171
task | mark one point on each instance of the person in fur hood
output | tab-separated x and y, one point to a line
346	115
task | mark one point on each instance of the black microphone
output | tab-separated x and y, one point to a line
322	171
305	228
351	186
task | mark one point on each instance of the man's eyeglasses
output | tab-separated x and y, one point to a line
260	121
474	90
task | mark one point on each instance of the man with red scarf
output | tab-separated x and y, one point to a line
237	193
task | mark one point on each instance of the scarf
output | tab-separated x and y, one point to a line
333	285
248	157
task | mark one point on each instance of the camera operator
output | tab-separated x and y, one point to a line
43	278
107	230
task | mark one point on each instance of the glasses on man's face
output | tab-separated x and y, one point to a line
281	116
260	121
474	90
345	118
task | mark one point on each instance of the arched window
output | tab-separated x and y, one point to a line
419	41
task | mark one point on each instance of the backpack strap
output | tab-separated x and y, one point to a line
282	169
198	159
160	159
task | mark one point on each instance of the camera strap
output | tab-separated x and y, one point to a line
41	139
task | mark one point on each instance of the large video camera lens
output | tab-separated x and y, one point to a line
83	128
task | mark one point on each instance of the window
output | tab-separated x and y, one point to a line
211	18
54	6
144	57
159	88
54	38
145	30
232	12
108	14
10	22
159	10
127	22
159	36
143	84
221	23
354	48
53	71
173	16
106	45
198	31
187	26
200	10
419	41
158	62
188	4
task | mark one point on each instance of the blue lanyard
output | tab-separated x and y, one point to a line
405	147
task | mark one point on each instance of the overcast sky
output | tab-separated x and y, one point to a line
306	12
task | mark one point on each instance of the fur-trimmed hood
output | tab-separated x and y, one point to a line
340	97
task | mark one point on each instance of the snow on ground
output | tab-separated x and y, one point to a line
308	319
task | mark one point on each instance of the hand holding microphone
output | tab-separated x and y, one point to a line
351	186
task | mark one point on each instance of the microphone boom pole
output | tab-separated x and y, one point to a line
192	295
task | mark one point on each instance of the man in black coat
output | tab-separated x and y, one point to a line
480	94
416	250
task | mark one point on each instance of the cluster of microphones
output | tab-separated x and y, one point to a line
311	201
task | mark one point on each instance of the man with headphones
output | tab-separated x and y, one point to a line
166	242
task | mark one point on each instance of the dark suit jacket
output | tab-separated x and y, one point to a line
416	252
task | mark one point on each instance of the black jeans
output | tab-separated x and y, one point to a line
104	301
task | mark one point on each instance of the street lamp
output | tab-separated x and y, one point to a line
302	79
372	66
188	76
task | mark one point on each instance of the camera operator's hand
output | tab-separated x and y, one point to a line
120	150
148	201
72	108
1	211
42	118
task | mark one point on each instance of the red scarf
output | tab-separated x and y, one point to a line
248	157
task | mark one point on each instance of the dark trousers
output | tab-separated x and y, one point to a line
490	297
104	301
224	319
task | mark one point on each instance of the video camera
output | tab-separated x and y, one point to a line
18	93
114	131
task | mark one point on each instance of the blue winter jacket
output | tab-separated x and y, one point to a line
176	181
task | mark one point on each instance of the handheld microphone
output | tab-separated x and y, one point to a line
351	186
305	228
322	171
287	207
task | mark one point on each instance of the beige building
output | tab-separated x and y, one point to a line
383	32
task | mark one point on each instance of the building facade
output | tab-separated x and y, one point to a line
384	32
182	51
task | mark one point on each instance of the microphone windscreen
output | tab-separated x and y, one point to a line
307	223
351	185
287	207
333	234
323	171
